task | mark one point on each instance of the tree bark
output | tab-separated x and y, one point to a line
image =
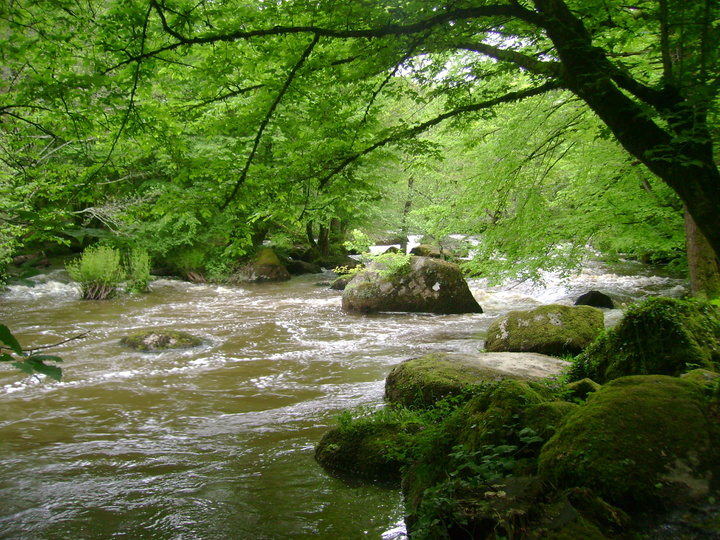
682	158
702	262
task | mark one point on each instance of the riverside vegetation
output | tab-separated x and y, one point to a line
559	458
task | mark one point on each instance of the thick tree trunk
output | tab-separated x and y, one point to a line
682	158
702	262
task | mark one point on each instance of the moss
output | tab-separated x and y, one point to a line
580	390
267	257
422	382
485	433
494	416
553	329
152	341
373	450
661	336
709	380
638	441
545	418
575	530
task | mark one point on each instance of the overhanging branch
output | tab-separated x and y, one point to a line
258	136
492	10
533	65
420	128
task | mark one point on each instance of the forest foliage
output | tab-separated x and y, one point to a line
194	130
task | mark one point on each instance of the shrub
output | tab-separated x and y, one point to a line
98	270
138	270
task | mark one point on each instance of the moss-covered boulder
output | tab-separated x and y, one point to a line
708	380
482	441
374	450
266	267
553	329
580	390
421	382
160	340
398	283
638	442
662	336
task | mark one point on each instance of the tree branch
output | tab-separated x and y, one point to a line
266	120
492	10
533	65
420	128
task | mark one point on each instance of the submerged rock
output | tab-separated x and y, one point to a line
399	283
595	299
553	329
425	380
661	336
154	341
638	442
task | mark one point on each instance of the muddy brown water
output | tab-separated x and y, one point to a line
214	442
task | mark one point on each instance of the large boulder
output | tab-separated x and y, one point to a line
661	336
264	268
553	329
298	268
395	283
424	381
638	442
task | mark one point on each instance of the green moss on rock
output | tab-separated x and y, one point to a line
661	336
553	329
637	441
421	382
410	284
154	341
367	449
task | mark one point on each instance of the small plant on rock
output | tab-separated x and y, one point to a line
138	270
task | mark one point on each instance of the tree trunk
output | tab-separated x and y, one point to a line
310	235
702	262
323	242
406	212
682	157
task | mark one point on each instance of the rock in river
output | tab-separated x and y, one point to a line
410	284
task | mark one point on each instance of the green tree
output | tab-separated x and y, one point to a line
248	110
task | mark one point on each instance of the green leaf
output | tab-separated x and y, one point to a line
24	366
6	358
46	357
8	339
53	372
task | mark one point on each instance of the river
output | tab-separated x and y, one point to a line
217	442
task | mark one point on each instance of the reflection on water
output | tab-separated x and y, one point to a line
214	442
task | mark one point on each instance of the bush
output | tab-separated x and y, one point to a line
98	271
138	270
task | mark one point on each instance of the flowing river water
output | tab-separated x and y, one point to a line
217	442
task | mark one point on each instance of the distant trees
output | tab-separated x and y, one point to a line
209	121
